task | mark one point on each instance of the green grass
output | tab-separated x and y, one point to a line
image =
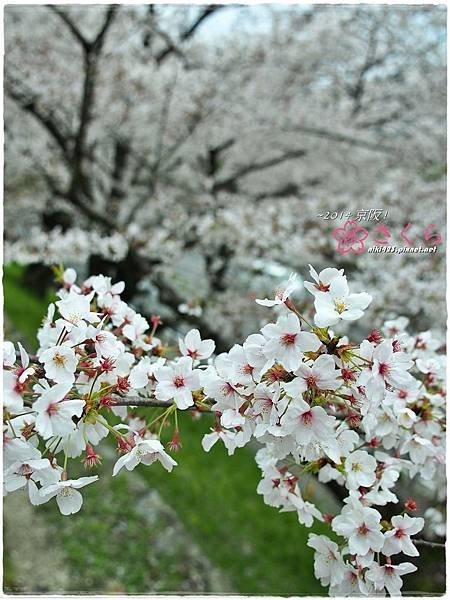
258	550
261	551
25	309
109	543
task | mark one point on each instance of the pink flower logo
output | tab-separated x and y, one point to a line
350	238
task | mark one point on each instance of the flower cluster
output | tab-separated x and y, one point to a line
96	356
361	415
365	416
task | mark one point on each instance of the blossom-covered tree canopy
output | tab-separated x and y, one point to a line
140	139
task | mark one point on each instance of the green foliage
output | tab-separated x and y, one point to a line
24	309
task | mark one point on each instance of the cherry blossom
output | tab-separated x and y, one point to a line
322	376
75	308
55	412
177	382
337	303
227	437
60	363
286	341
388	576
322	280
145	451
310	424
9	354
68	498
136	328
361	526
360	468
144	372
12	398
281	294
27	473
398	538
329	565
193	346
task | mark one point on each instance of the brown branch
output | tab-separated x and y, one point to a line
209	10
187	33
71	26
341	137
136	401
28	102
78	194
421	542
109	17
79	203
129	400
121	155
152	403
287	189
80	184
194	119
229	184
171	48
87	45
73	146
357	90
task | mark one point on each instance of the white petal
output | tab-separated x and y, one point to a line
69	501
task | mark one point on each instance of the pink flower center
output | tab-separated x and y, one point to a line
306	418
25	471
331	556
52	409
383	369
193	353
363	529
178	381
267	405
19	387
227	389
400	533
311	381
288	339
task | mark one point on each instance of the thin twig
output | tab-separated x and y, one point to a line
150	402
430	544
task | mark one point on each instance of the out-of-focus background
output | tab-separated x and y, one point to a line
189	151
